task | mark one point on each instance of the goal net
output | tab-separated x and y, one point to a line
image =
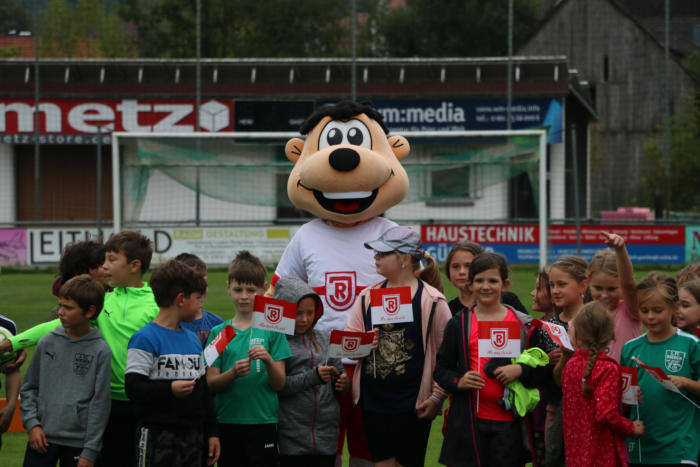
208	179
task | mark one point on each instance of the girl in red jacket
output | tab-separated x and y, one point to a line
594	428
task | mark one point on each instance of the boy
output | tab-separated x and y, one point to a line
65	394
165	376
127	309
203	320
248	374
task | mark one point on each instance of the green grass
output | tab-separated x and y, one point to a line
26	298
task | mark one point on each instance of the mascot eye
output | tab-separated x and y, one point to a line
358	134
332	134
335	136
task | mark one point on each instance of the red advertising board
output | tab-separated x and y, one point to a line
558	234
79	116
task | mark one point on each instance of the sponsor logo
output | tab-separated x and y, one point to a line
341	288
350	344
674	360
499	338
273	313
391	303
81	363
82	117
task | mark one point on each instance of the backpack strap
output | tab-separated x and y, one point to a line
430	325
364	314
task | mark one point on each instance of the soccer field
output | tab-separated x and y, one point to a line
26	298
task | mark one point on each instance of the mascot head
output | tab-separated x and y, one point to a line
347	170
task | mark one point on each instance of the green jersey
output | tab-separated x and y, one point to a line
248	400
672	424
125	311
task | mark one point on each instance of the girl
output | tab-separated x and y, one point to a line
542	297
672	422
567	282
395	387
248	374
491	436
594	427
611	282
309	413
688	315
457	264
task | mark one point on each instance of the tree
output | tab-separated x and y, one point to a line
83	29
424	28
684	160
13	16
240	28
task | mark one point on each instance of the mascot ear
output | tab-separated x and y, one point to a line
293	149
399	145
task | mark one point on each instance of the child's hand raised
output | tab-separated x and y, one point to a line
471	380
182	387
613	240
258	352
375	339
638	428
326	372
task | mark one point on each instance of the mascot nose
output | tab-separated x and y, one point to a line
344	159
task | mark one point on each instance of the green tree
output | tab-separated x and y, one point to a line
13	16
83	29
684	160
240	28
425	28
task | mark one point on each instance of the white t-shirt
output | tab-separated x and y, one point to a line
335	263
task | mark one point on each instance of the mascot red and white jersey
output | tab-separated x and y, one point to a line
335	263
347	173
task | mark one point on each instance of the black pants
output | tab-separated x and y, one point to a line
118	442
249	445
500	443
68	456
402	436
307	461
170	447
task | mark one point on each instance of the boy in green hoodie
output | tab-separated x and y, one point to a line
127	309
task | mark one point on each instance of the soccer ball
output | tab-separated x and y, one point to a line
7	357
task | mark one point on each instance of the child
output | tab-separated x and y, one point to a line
65	394
567	283
13	379
248	374
688	314
594	427
165	377
672	423
204	320
457	264
611	282
400	403
85	257
542	297
309	413
127	309
491	436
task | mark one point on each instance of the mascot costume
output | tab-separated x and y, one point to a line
347	173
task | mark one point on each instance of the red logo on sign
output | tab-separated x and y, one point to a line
391	303
340	290
626	381
555	330
273	313
499	338
350	344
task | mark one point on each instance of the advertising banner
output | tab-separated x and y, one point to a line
646	244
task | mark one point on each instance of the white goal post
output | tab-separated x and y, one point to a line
119	137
